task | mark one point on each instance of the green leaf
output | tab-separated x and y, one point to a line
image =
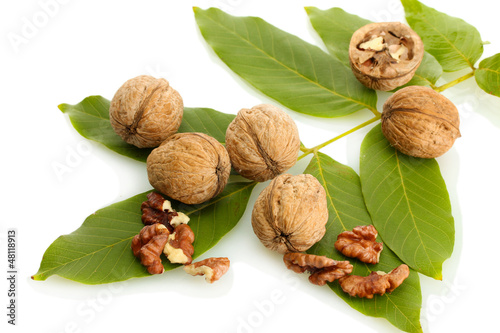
90	118
347	210
99	251
427	73
409	204
295	73
335	27
488	75
452	41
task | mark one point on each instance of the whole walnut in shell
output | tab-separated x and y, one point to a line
420	122
290	213
145	111
262	142
189	167
385	55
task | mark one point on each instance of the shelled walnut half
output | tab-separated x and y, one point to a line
321	268
375	283
148	246
179	247
360	243
385	55
159	210
211	268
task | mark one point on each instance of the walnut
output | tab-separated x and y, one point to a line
158	210
189	167
322	269
262	142
290	213
212	268
386	55
179	247
375	283
420	122
148	246
145	111
360	243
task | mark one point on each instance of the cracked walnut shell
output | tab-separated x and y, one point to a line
420	122
262	142
145	111
385	55
290	213
189	167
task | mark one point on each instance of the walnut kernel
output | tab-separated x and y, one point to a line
211	268
189	167
360	243
375	283
262	142
148	246
386	55
322	269
179	247
145	111
290	213
420	122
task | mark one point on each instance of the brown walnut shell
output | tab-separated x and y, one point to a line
420	122
262	142
390	64
290	214
145	111
189	167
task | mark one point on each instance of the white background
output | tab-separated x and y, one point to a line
90	48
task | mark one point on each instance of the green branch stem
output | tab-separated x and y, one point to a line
455	82
314	149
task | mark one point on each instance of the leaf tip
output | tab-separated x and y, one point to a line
62	107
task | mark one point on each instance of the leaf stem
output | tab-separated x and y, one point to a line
314	149
455	82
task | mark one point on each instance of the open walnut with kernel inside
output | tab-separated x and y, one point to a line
385	55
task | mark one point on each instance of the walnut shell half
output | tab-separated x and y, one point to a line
385	55
145	111
189	167
262	142
290	214
420	122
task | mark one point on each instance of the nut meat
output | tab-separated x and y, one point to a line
148	246
322	269
375	283
179	247
145	111
211	268
158	210
189	167
262	142
360	243
290	213
386	55
420	122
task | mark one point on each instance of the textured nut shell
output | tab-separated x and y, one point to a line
387	74
420	122
290	213
189	167
145	111
262	142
